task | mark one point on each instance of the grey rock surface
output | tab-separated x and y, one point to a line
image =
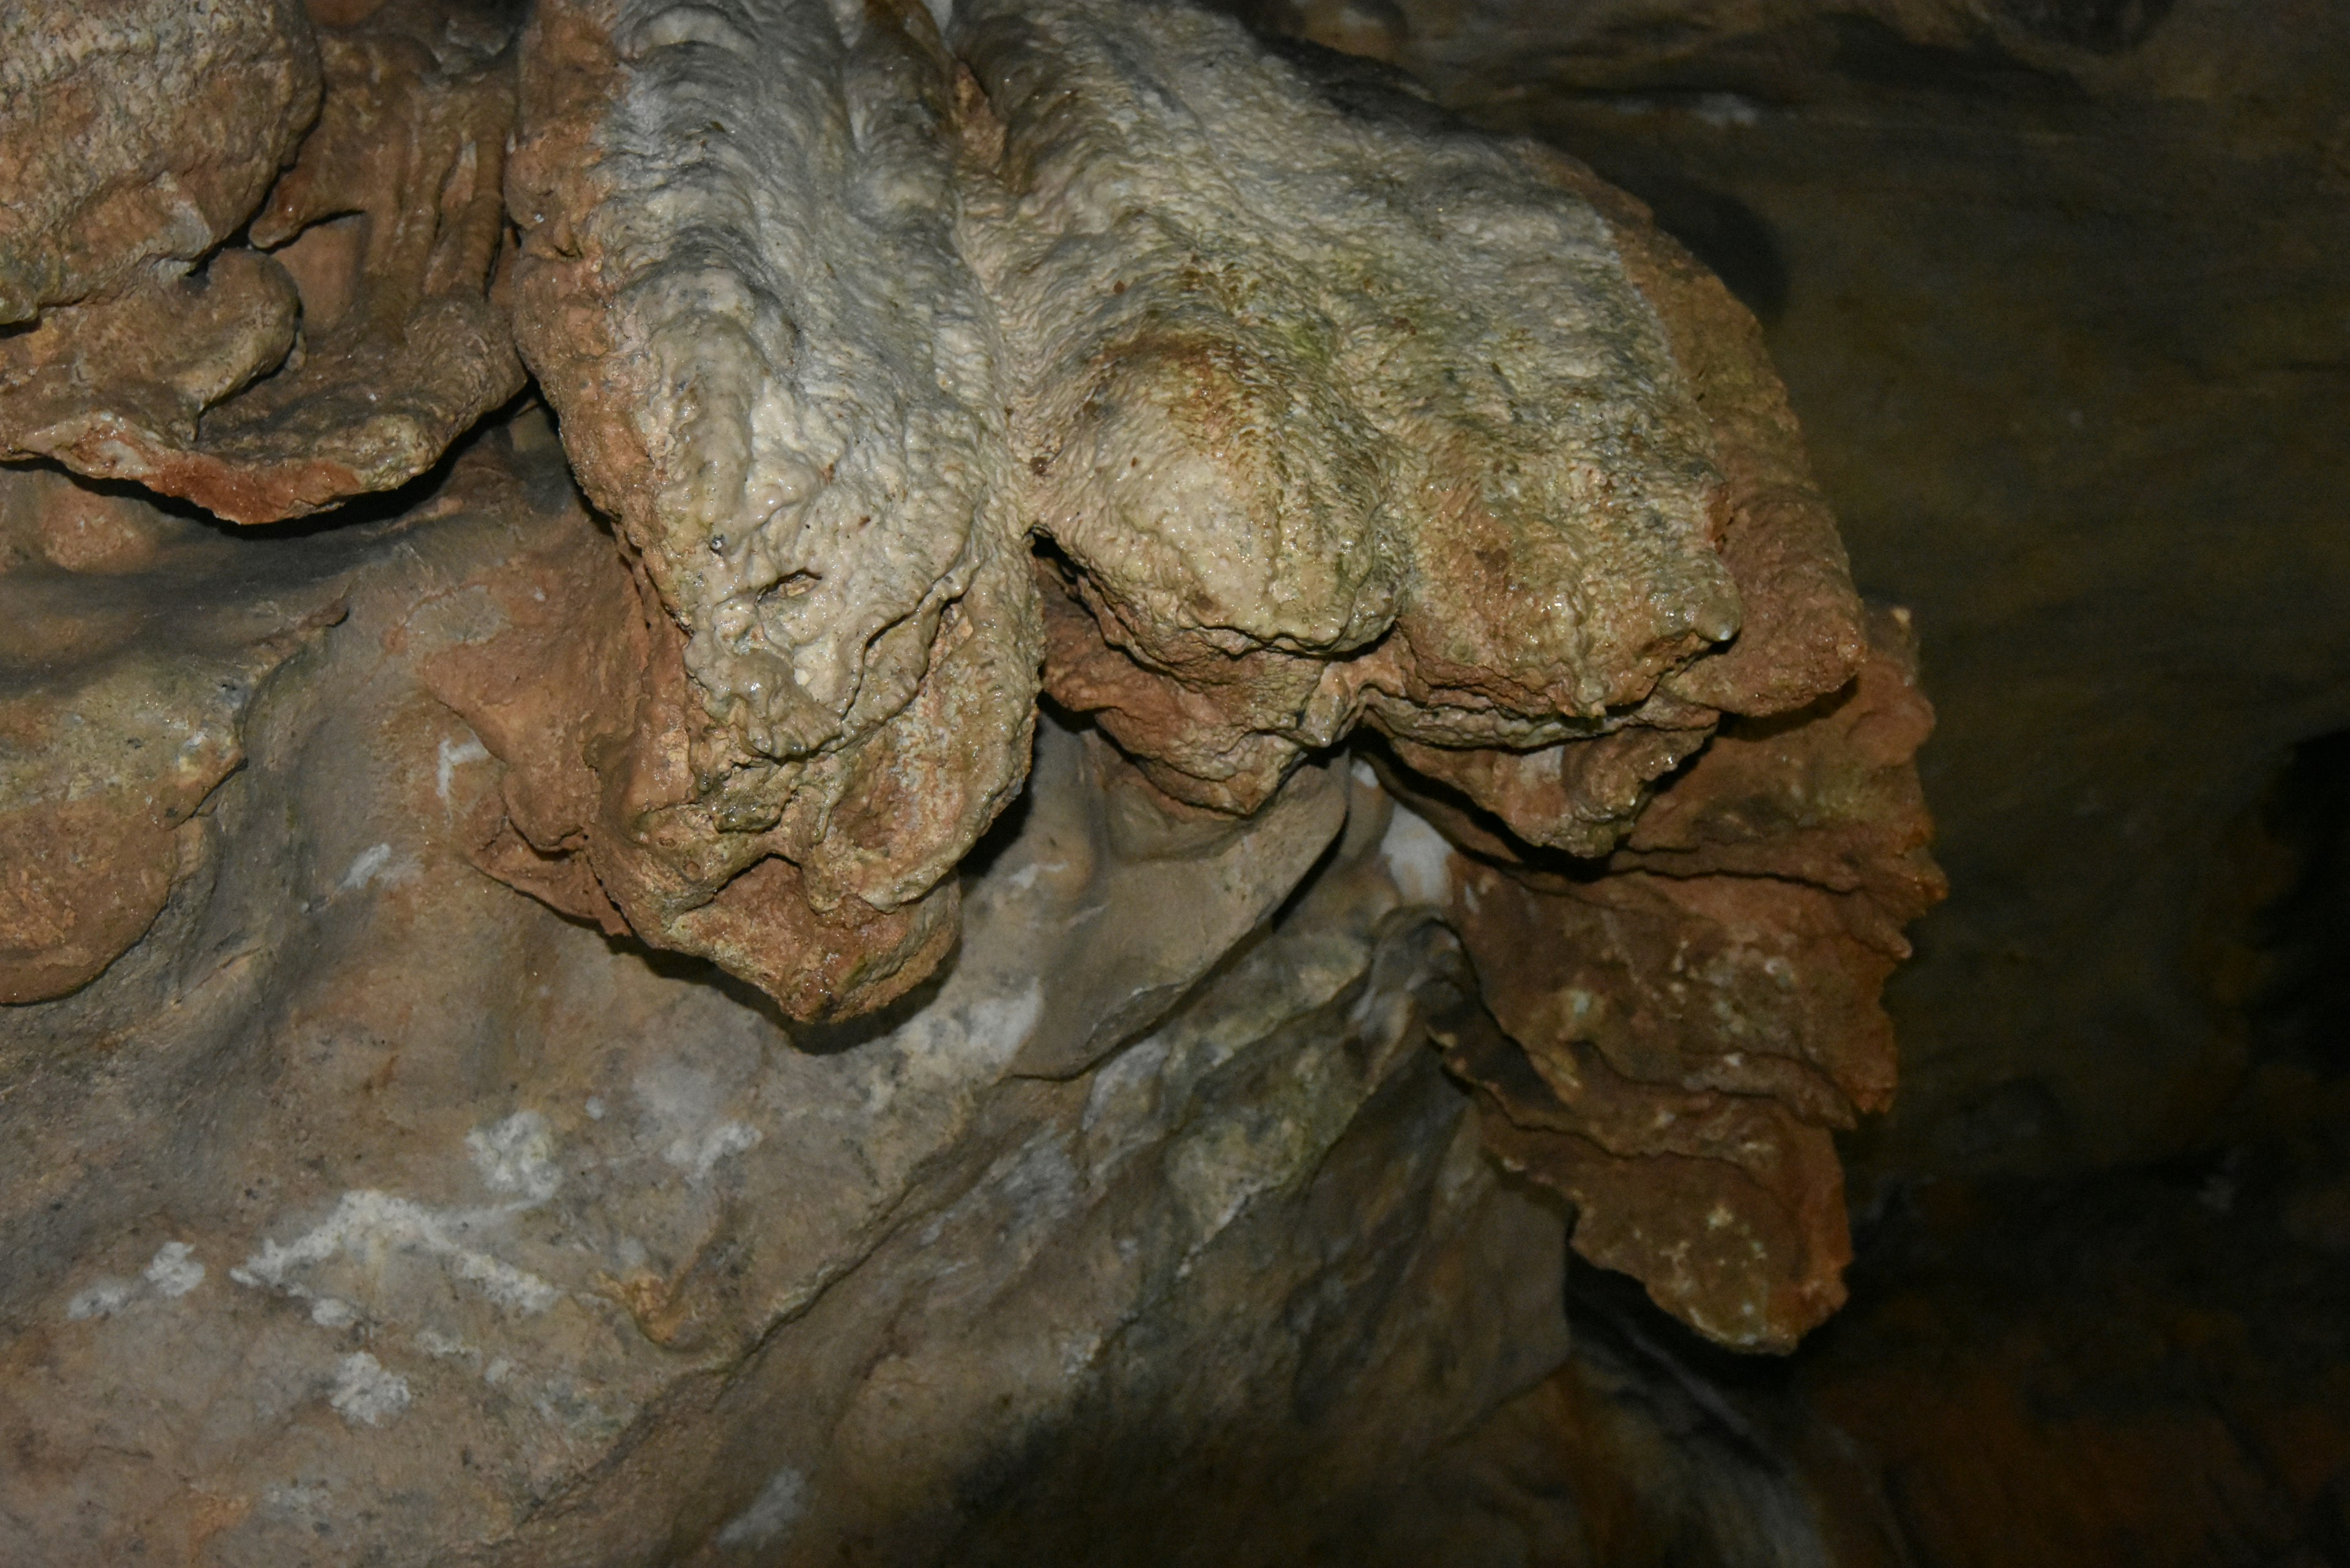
334	1240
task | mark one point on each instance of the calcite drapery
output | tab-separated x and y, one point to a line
1239	400
776	371
1332	412
1694	1023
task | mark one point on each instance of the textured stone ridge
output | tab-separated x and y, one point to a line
346	355
139	133
1319	411
1332	412
1691	1025
775	372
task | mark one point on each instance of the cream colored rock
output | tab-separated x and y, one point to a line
739	290
805	436
1299	382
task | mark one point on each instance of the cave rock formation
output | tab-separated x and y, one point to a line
1440	637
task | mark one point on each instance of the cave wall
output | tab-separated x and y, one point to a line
785	783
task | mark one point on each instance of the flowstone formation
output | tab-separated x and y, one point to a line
907	1114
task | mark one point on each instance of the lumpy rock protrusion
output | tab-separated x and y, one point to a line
739	289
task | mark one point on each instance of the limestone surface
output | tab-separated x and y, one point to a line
774	370
367	1211
1330	410
141	134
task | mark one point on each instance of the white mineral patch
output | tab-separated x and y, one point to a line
679	1097
1728	110
333	1311
943	1047
517	1156
375	1225
779	1503
448	1347
1077	1354
364	868
1417	858
699	1155
1126	1082
1039	1184
683	1103
101	1298
454	756
364	1393
377	866
175	1270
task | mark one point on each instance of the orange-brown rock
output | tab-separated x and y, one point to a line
1252	398
139	135
115	728
1699	1007
386	230
577	686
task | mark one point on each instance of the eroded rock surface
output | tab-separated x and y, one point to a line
1331	413
775	370
141	134
1695	1022
120	713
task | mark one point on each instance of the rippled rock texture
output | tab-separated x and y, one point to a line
902	1121
1318	412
